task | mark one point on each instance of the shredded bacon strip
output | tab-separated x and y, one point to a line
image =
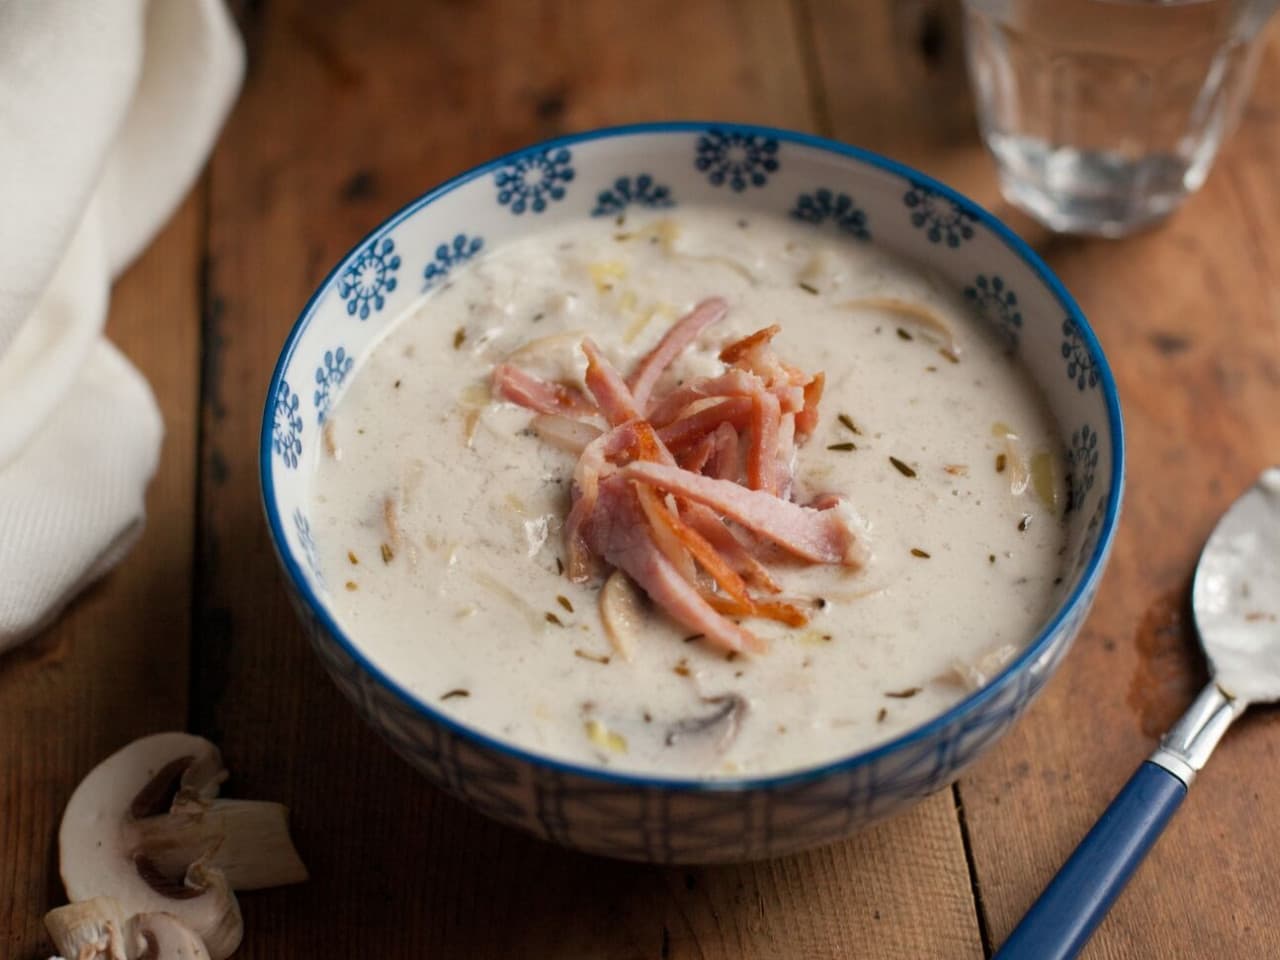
660	493
739	349
691	429
807	418
707	523
695	458
672	345
611	392
819	536
512	383
697	547
766	418
779	610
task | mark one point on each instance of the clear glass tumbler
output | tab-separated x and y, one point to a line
1104	115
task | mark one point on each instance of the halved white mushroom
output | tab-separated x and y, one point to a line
97	930
145	827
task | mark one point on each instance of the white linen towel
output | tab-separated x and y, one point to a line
108	109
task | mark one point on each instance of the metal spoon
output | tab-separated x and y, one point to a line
1236	599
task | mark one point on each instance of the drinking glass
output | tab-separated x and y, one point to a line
1104	115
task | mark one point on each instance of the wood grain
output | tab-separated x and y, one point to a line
345	117
115	666
1190	316
349	111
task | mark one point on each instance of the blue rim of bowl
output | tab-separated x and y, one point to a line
690	784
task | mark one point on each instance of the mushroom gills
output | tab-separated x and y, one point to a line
716	729
97	929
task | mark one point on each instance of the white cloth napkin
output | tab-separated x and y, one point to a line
108	109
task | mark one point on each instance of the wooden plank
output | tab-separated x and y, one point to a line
346	115
115	666
890	77
1190	316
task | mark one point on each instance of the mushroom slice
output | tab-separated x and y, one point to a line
973	675
622	611
569	435
918	314
146	827
717	728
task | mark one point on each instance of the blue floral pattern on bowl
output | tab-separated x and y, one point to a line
998	304
944	219
367	280
736	158
332	371
448	256
765	171
1082	464
640	191
308	543
824	205
534	179
1080	363
286	426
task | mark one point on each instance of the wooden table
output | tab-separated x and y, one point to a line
349	110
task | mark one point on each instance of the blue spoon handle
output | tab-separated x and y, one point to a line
1077	899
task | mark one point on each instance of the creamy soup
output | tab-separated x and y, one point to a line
933	466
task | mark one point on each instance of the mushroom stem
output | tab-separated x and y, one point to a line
247	840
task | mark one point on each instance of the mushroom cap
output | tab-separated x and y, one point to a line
97	854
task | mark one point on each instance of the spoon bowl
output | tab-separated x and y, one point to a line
1236	595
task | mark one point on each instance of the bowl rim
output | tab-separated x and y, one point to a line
842	764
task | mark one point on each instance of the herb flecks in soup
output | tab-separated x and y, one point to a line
690	495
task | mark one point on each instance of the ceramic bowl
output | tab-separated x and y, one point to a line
833	188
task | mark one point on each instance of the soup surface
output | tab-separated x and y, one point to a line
439	507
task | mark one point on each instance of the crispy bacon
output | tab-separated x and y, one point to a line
807	418
664	536
819	536
727	465
620	535
673	343
692	544
631	441
518	386
740	349
762	457
779	610
696	457
689	493
611	392
783	455
692	428
733	383
705	521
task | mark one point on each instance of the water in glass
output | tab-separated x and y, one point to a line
1103	115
